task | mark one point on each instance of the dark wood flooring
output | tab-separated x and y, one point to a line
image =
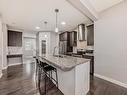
20	80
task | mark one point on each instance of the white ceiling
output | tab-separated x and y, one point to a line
101	5
27	14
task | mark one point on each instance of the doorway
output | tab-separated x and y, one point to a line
29	49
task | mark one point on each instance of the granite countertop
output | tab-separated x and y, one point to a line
89	54
65	63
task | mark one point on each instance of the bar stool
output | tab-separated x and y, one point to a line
46	70
39	65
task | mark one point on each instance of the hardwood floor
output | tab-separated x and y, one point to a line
20	80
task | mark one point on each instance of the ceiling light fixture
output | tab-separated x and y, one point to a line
56	28
45	36
63	23
37	27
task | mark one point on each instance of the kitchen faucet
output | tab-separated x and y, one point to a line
54	52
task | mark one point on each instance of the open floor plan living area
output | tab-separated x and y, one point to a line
63	47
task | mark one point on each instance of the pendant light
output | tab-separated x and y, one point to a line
56	28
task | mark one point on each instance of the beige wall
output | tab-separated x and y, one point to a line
4	45
81	45
111	44
0	48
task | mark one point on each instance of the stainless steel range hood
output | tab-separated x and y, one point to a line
81	32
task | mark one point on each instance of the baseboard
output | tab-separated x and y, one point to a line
4	68
14	64
111	80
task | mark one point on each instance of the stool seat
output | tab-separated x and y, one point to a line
49	68
42	64
43	69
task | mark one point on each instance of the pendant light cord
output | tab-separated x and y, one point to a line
56	10
56	20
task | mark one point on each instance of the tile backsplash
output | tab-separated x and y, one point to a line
15	50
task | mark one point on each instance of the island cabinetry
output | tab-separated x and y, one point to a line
73	74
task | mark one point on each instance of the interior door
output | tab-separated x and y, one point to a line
29	47
43	45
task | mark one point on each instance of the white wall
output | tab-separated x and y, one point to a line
111	43
51	41
54	41
42	37
0	48
29	47
31	38
4	46
30	35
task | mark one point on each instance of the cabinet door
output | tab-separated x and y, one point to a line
18	41
90	35
73	38
60	37
11	38
63	36
14	38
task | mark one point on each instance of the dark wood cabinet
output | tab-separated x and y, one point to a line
70	38
14	38
66	38
90	35
74	38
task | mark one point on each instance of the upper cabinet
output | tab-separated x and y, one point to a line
90	35
74	37
70	37
14	38
63	36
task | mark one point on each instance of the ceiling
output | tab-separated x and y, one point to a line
28	14
101	5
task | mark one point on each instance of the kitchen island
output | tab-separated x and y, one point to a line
73	73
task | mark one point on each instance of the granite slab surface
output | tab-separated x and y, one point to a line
65	63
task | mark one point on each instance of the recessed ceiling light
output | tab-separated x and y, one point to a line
63	23
37	27
45	36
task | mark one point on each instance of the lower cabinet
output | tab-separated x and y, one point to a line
91	63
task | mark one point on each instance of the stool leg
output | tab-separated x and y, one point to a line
36	69
45	83
56	79
51	75
39	77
